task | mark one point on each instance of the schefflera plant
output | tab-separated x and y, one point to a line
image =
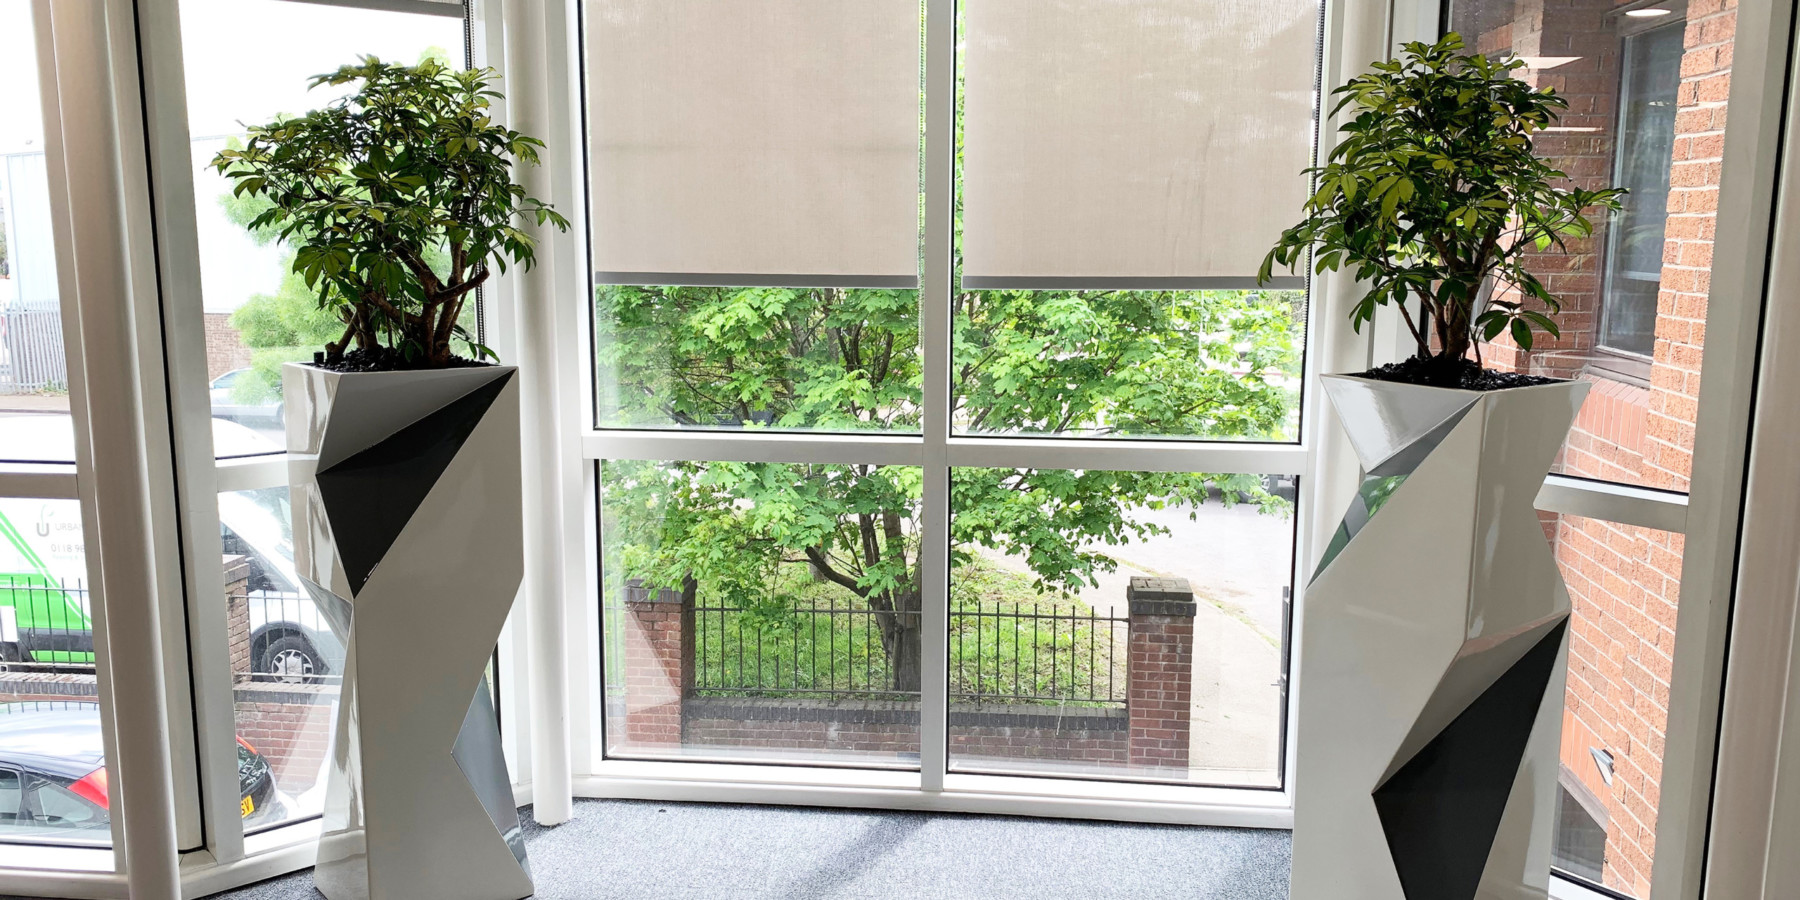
1435	192
399	200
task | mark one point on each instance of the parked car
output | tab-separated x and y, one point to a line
53	777
229	387
290	641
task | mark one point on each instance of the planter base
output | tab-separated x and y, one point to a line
407	534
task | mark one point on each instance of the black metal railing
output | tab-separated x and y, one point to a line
278	637
834	649
1040	652
998	652
9	707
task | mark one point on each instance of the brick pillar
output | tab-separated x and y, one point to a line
237	614
659	654
1162	670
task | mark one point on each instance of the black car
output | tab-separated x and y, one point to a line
53	784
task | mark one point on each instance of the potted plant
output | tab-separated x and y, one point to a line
399	201
1431	660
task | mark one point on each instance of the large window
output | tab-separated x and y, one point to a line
1647	84
806	248
53	774
34	372
286	661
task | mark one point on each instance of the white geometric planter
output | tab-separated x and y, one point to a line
407	533
1433	659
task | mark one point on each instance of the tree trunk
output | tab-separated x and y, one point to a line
901	641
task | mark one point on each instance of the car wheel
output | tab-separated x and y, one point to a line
290	659
9	653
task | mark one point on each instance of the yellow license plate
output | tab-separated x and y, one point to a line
248	806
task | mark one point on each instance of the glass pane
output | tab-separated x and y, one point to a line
1109	139
1623	584
259	313
287	663
785	143
1222	365
1120	624
53	777
34	374
756	213
823	359
1647	91
761	612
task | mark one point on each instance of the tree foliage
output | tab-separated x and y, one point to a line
369	186
1435	190
1218	364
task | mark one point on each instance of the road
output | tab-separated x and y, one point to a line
1238	558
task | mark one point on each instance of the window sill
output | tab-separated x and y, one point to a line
990	794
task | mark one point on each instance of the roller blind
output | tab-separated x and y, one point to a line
754	141
1119	143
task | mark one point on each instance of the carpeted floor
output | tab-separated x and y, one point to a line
635	850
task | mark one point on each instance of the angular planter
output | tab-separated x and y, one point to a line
1433	658
407	534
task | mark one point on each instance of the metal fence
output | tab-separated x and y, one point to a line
998	652
279	637
31	350
45	624
1008	652
31	706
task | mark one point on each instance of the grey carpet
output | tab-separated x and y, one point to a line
638	850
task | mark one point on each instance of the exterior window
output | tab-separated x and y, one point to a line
1154	656
1650	74
1647	85
761	219
34	373
287	664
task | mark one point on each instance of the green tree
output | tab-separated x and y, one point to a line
1219	364
282	327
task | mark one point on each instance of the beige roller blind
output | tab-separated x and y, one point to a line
1120	143
754	141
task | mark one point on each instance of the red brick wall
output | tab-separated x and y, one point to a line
658	657
225	349
290	725
1161	697
868	726
996	731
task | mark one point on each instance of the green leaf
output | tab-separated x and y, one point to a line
1521	334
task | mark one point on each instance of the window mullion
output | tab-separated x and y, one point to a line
934	309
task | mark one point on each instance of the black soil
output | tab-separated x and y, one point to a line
384	359
1463	374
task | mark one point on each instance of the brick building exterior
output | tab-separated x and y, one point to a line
1637	426
225	348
